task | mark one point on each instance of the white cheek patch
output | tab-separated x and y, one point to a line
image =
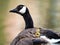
23	10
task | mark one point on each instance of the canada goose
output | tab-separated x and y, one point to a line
26	36
23	11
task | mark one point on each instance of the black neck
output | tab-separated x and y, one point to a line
28	20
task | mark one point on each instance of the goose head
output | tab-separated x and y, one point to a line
20	9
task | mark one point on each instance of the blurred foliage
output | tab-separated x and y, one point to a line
51	14
51	10
3	9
